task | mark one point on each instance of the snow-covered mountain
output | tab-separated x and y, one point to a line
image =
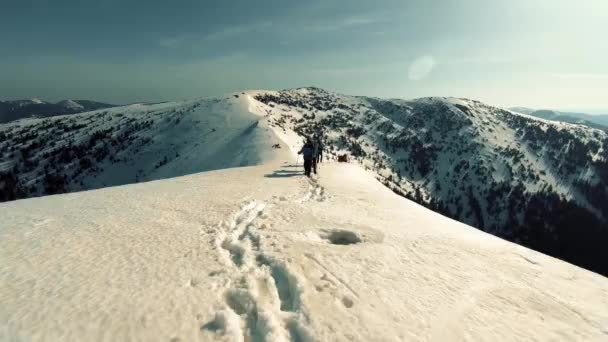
24	103
71	105
594	121
540	183
20	109
537	182
130	144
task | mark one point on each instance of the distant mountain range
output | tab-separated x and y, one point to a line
595	121
21	109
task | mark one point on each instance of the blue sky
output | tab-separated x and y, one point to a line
538	53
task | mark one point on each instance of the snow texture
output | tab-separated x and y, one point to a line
264	254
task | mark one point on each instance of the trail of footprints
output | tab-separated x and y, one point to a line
315	192
263	298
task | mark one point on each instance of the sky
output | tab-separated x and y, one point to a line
535	53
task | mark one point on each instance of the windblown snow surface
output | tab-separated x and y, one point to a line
261	253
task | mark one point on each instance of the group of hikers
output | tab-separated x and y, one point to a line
312	151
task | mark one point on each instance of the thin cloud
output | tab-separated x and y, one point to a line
421	68
344	23
171	42
225	33
580	75
233	31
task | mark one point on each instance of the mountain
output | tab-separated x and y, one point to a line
20	109
130	144
539	183
522	110
261	253
595	121
71	105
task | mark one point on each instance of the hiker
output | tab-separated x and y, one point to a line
315	154
308	153
318	146
319	154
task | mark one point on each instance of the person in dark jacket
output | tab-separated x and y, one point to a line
319	152
307	152
315	155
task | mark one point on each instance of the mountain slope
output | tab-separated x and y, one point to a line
21	109
130	144
540	183
255	254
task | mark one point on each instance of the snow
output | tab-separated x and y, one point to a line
456	101
262	253
69	104
289	137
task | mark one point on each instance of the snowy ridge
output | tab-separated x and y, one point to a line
70	105
132	144
595	121
520	177
238	255
22	109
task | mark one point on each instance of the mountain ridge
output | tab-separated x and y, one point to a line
12	110
599	121
522	178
